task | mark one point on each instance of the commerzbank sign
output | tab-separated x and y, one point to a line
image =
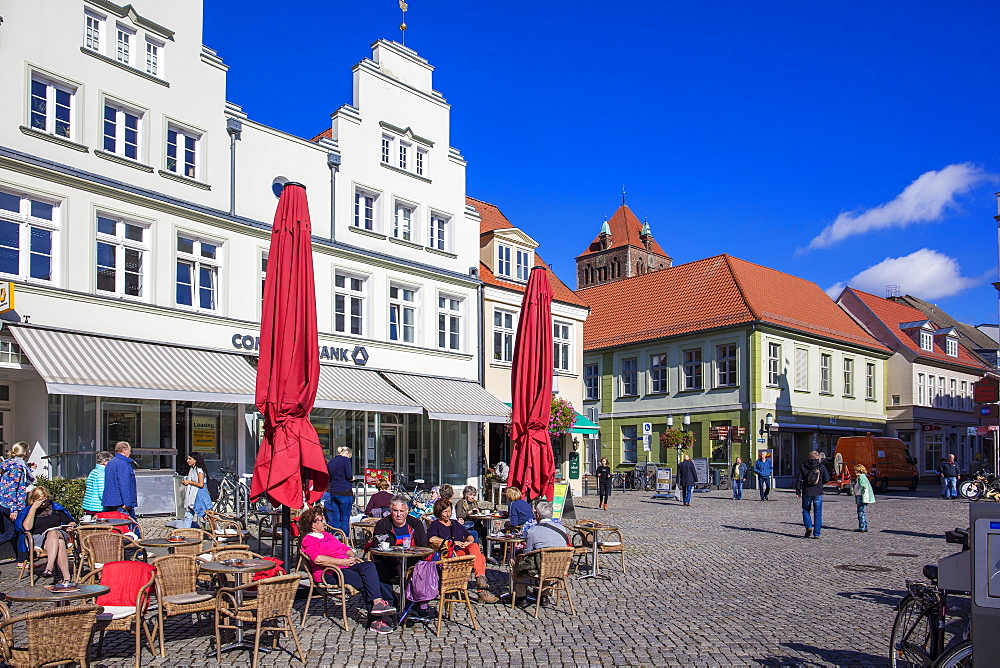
358	355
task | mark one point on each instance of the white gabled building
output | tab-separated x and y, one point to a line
135	209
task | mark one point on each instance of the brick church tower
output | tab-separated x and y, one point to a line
624	247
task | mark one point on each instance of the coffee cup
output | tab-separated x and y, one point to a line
383	545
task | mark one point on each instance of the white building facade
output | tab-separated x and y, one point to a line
135	210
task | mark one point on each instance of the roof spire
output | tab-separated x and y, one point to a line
623	194
402	26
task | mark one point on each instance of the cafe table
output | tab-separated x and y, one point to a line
238	568
402	553
269	521
509	541
168	543
486	522
593	529
45	594
365	527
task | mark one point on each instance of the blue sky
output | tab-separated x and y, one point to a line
850	142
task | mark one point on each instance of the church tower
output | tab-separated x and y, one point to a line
624	247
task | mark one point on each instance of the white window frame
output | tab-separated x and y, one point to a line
153	57
120	129
921	397
94	31
658	374
198	264
388	141
451	328
562	346
592	382
503	260
404	312
726	368
951	347
926	341
504	335
931	389
953	393
629	377
522	264
848	376
262	264
350	303
420	162
122	244
692	369
825	370
124	44
940	403
50	123
801	369
403	226
404	155
773	364
369	201
869	381
964	403
440	226
181	166
27	222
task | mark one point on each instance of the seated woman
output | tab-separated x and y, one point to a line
466	506
378	505
45	520
324	550
519	510
444	529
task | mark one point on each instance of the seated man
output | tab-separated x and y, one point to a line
399	526
547	533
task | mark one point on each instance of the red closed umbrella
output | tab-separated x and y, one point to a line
290	463
532	466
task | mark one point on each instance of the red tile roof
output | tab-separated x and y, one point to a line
719	291
328	133
491	220
625	230
892	314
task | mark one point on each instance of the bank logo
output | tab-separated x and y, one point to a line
360	356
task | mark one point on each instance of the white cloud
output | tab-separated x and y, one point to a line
926	274
929	198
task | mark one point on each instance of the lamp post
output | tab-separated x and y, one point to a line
768	424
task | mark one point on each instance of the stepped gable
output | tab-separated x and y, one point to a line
625	230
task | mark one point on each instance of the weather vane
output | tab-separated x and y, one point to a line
402	26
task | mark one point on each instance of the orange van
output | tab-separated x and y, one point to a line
888	462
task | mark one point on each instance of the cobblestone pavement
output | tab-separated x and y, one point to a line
719	583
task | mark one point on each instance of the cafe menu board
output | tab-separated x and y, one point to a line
663	480
559	493
372	476
205	432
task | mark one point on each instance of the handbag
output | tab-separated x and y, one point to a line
425	582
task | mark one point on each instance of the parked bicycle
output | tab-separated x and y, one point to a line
234	495
980	484
918	632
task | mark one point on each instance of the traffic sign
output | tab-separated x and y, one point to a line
647	427
645	442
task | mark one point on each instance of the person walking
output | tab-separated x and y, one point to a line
763	467
119	482
863	495
15	477
809	481
687	476
93	497
196	497
949	478
603	474
739	476
341	490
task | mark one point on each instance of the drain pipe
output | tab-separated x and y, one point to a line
333	162
234	127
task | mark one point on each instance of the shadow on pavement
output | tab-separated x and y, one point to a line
756	530
915	534
823	656
890	597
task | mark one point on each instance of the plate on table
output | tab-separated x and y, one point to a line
176	539
67	588
234	562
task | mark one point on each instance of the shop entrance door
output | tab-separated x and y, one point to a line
390	449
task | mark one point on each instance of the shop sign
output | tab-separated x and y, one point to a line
6	296
372	476
574	466
358	355
205	432
559	493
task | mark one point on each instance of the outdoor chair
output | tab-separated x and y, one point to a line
127	604
327	590
273	604
177	592
134	528
583	546
455	574
553	575
226	529
53	636
102	547
193	534
34	555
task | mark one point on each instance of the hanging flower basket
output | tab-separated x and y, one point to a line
673	438
562	420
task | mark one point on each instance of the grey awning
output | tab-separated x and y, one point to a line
352	388
88	364
450	399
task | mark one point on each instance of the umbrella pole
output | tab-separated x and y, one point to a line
286	548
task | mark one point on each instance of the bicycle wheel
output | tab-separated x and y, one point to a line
959	656
912	638
971	489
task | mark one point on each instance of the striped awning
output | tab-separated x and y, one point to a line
451	399
352	388
87	364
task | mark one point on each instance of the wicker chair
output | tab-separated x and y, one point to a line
455	574
34	555
101	547
583	546
225	529
273	603
553	575
177	592
119	616
326	589
56	635
193	534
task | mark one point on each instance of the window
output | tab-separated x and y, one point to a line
523	264
921	398
630	442
121	131
198	264
951	347
953	395
930	390
503	335
438	237
348	304
933	449
364	210
402	226
503	260
692	369
153	58
801	369
182	152
28	229
402	314
657	374
630	385
122	248
773	364
124	45
940	403
404	155
52	107
870	381
449	323
421	162
263	272
825	362
725	365
848	377
591	382
963	404
926	341
561	345
93	27
386	149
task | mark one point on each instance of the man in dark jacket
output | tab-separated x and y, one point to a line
119	481
686	478
949	478
398	526
763	468
809	481
738	474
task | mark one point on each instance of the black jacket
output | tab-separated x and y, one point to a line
948	469
687	476
800	478
384	526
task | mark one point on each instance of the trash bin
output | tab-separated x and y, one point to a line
716	478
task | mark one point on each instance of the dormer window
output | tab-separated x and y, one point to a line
951	347
503	260
523	264
926	341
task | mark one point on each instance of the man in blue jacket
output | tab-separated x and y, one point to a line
763	467
119	481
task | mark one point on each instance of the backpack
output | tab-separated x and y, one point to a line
813	477
424	583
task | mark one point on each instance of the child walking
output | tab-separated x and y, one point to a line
863	495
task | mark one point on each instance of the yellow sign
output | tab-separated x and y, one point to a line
205	433
559	493
6	296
